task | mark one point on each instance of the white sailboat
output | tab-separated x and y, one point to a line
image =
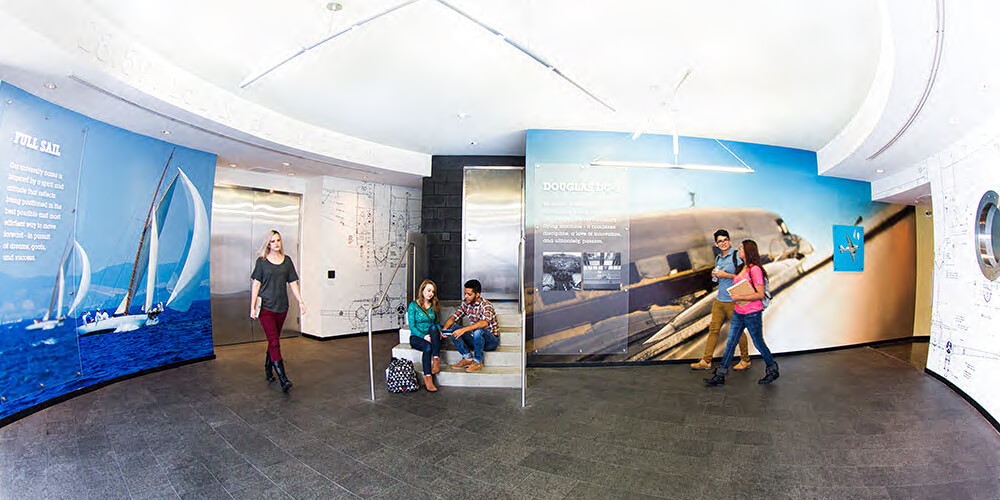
146	260
54	316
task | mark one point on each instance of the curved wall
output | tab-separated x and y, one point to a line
659	222
77	195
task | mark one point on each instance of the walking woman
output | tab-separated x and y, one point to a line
271	273
748	314
422	316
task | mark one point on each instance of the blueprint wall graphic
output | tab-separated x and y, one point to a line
965	323
368	222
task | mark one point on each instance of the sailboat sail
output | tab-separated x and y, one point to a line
200	239
84	287
54	316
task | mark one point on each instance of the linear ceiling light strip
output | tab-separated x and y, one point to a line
527	52
253	78
938	51
96	88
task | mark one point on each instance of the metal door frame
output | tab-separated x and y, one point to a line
466	168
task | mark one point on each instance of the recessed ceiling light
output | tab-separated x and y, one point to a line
291	173
50	86
473	143
463	115
232	165
879	170
334	6
285	163
165	132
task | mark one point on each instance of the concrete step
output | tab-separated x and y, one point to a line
504	356
507	338
489	376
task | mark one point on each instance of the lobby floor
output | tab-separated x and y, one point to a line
847	424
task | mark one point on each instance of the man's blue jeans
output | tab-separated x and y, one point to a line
753	322
478	341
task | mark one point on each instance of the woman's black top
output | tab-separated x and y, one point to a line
273	280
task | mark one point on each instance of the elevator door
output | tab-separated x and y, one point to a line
492	222
241	221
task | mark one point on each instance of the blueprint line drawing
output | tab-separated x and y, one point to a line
372	221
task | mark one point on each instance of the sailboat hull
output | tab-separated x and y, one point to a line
114	324
44	325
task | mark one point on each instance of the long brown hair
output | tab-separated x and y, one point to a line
434	305
751	257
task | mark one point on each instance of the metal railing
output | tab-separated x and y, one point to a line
524	345
378	303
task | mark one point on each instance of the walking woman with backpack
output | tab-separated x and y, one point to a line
748	313
272	273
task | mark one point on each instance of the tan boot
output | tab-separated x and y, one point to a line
742	365
435	365
701	365
429	383
474	367
462	364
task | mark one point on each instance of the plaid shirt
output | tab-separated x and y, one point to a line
481	310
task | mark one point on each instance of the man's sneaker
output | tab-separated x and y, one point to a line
462	364
701	365
473	367
742	365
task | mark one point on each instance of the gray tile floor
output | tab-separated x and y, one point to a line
853	423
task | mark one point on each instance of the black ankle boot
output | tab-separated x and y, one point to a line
279	368
770	374
268	371
716	380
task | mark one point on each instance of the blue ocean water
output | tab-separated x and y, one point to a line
39	365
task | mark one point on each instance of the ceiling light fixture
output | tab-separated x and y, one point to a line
463	115
285	163
473	142
334	6
743	169
50	86
232	165
879	170
291	174
257	76
165	132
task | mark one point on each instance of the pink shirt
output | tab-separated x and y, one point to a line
758	280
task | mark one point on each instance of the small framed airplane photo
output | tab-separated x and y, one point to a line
848	248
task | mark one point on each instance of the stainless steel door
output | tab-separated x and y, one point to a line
492	222
241	220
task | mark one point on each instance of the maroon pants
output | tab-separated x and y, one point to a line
272	323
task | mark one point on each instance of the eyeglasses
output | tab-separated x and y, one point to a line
722	240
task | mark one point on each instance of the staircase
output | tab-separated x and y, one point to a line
501	368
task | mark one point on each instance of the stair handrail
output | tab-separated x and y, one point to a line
371	358
524	345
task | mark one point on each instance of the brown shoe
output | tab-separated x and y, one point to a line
742	365
435	365
429	383
701	365
462	364
474	367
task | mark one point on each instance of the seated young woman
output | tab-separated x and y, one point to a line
425	335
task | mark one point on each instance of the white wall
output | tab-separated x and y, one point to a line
965	326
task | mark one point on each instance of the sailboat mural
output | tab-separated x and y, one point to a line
145	263
54	316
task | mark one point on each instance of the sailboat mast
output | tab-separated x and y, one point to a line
145	229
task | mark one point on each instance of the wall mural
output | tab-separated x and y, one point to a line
659	222
369	223
105	250
965	336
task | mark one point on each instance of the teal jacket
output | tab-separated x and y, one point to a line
419	322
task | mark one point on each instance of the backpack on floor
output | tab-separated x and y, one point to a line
401	377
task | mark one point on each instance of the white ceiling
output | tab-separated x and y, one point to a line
390	91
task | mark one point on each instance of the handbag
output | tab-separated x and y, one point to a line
401	377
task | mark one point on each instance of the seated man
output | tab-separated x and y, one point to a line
483	334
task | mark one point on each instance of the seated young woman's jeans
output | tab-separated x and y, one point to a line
430	349
478	341
753	323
